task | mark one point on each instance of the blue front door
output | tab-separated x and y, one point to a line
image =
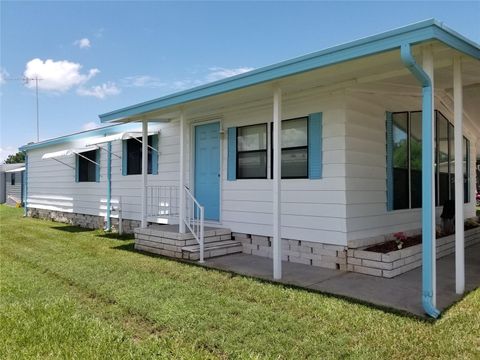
207	168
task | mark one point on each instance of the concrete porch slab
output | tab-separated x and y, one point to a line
400	293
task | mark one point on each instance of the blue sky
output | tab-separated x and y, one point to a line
99	56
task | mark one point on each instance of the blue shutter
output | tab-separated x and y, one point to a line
155	154
97	167
232	154
77	168
389	126
124	157
315	148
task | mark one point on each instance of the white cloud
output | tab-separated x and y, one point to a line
3	76
5	151
213	74
82	43
57	76
142	81
99	91
99	33
90	125
218	73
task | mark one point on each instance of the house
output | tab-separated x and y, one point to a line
309	160
11	183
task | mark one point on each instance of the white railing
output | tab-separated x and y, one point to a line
162	202
194	219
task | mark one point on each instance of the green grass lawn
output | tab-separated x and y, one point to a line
72	293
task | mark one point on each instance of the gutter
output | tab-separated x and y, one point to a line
428	257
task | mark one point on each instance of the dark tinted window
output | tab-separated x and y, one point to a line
134	156
87	170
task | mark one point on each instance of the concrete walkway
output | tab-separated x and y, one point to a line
401	293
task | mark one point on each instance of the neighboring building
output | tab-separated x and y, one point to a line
351	143
11	183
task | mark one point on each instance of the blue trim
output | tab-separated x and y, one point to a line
105	131
25	186
97	167
390	40
124	157
155	154
232	154
109	186
315	146
389	138
427	176
456	41
77	168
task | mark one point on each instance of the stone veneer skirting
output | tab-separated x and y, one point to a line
82	220
398	262
297	251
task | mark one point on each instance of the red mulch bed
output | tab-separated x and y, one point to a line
392	245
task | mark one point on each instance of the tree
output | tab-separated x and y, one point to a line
19	157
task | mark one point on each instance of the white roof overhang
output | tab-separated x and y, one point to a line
67	152
16	170
119	136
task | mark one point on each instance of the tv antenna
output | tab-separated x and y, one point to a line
27	80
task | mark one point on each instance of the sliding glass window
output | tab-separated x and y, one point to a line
252	152
294	149
401	183
407	161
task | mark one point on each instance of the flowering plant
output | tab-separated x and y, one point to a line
400	237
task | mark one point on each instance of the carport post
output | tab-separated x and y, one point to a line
459	195
277	165
144	171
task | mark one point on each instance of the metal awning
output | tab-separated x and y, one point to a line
70	152
16	170
122	136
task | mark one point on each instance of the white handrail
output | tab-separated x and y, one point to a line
194	220
162	201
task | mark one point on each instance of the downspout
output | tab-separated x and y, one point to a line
108	226
427	176
25	187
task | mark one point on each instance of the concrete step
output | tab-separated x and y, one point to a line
212	249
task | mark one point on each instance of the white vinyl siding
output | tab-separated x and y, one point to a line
13	190
367	214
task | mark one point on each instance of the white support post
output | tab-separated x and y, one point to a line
428	67
181	185
144	171
458	136
277	162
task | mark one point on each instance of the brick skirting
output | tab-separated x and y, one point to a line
398	262
82	220
296	251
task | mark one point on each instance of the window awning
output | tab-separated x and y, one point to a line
16	170
119	136
56	155
68	152
122	136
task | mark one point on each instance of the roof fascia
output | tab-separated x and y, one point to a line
105	131
413	34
